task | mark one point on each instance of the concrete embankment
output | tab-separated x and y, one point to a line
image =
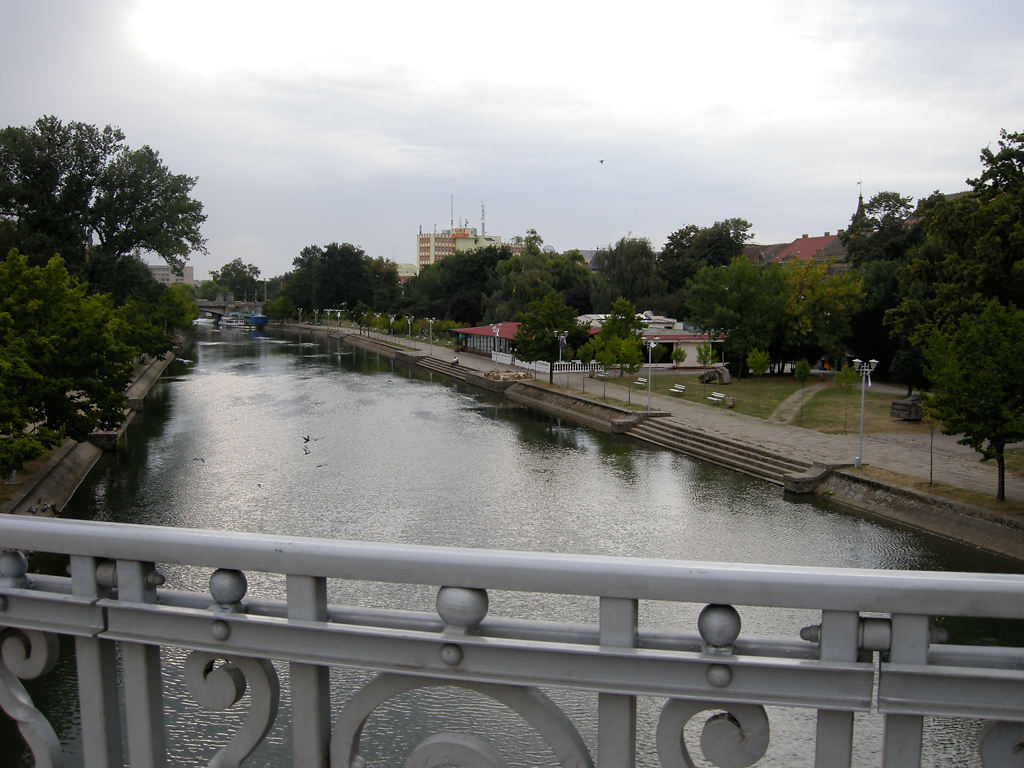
50	487
962	523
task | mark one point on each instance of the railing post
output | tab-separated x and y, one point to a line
97	678
616	713
834	742
903	732
311	706
143	690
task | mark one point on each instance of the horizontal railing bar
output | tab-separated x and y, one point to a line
994	694
786	682
845	589
51	612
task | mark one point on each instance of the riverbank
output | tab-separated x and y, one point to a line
47	489
800	460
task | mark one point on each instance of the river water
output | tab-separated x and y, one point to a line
396	455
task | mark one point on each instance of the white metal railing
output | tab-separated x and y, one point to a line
870	646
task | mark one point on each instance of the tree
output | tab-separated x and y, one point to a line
881	230
973	250
758	363
537	339
742	302
238	277
978	369
820	304
64	361
844	380
691	248
621	325
802	373
628	269
64	185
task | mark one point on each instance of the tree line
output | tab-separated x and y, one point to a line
933	290
78	307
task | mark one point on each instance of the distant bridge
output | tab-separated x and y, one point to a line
219	307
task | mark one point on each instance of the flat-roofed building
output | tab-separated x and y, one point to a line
163	273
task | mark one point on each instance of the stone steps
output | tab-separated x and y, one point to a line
751	460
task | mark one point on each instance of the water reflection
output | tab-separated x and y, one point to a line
398	455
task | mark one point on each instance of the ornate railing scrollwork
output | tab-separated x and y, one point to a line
28	654
553	725
735	737
219	687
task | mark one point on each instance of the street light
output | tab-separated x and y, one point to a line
300	315
408	319
651	344
497	331
561	336
864	369
430	352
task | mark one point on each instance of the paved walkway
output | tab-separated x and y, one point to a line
938	457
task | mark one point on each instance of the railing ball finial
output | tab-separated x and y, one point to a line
460	607
13	567
719	626
228	587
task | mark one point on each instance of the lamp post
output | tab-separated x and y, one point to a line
300	315
408	319
497	331
430	349
864	369
561	336
651	344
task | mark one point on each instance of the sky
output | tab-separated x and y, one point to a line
311	122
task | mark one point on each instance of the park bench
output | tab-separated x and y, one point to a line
716	397
641	382
678	389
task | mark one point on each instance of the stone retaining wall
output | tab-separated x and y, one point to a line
963	523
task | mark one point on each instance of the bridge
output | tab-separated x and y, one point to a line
869	646
217	308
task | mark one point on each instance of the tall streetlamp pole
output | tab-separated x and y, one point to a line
408	319
651	344
864	369
430	349
497	332
561	336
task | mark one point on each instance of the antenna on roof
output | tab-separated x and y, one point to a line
483	219
452	212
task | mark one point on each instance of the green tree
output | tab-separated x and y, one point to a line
973	251
619	325
844	380
881	230
238	277
978	369
691	248
743	302
537	339
802	374
62	186
820	304
628	268
279	309
758	363
63	359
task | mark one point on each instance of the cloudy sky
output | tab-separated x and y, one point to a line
311	122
